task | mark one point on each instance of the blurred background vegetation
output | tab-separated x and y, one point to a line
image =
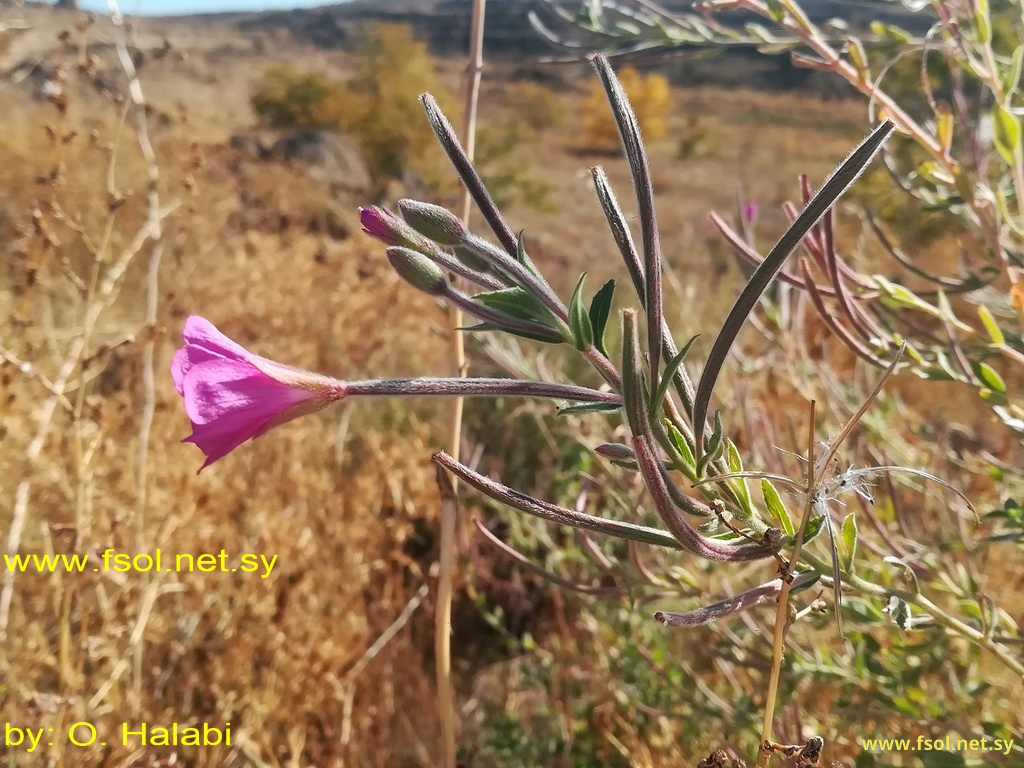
272	253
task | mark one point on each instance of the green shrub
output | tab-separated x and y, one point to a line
378	106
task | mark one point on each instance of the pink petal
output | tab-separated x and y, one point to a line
231	390
230	402
232	396
203	342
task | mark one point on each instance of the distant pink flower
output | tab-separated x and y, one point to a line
750	212
232	395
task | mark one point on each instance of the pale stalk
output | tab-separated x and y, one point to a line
153	222
442	618
764	752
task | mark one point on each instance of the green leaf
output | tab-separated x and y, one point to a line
947	367
666	379
990	377
1012	81
804	581
516	302
814	526
679	441
970	608
994	331
898	297
732	456
776	509
589	408
758	32
945	310
982	23
712	446
1008	215
1004	537
849	537
776	11
521	256
579	320
993	398
855	49
860	610
890	33
931	171
481	327
600	309
1007	134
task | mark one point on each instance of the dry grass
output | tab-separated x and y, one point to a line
345	500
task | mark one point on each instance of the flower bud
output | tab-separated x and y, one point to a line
417	270
383	225
615	452
439	224
470	259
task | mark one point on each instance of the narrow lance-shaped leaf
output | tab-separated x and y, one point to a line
838	183
689	467
600	310
589	408
657	480
837	585
776	509
736	465
579	320
991	326
713	446
1007	134
990	377
849	536
667	376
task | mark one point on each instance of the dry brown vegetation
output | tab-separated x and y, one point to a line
346	500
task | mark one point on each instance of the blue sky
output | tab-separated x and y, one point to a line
172	7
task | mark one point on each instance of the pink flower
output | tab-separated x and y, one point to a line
232	395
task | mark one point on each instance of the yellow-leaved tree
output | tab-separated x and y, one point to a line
651	99
377	106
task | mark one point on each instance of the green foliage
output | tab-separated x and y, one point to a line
537	106
382	103
502	170
377	106
288	98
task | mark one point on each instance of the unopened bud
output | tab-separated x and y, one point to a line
383	225
615	452
417	270
439	224
470	259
